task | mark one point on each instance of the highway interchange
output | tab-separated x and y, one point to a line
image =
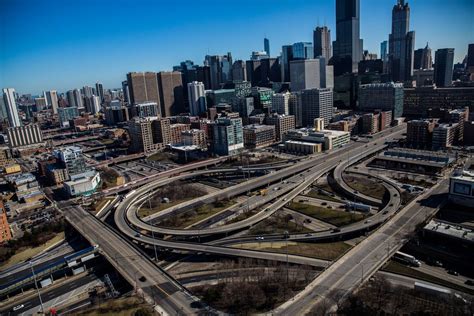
169	296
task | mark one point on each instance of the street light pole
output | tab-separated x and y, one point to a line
152	231
37	289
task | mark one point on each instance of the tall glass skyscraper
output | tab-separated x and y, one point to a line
348	42
401	43
303	50
444	62
383	51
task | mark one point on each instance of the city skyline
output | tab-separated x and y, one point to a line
37	60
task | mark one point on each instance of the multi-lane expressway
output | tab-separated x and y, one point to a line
367	257
311	169
130	262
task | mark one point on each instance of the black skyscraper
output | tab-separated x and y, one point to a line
444	60
401	43
348	43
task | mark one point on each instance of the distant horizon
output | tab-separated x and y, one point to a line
64	45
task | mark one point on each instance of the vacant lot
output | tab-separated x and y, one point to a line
365	185
331	216
191	217
317	194
177	193
277	224
325	251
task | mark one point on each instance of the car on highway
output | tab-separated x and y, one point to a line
259	238
324	204
142	278
453	272
336	230
368	221
18	307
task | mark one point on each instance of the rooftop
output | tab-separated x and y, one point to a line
450	229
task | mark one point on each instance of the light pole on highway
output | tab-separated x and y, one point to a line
152	231
37	289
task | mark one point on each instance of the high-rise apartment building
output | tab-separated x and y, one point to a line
310	74
12	110
141	135
161	131
143	87
258	136
282	123
52	100
296	108
227	136
317	103
281	102
419	133
322	42
99	90
444	61
72	159
197	98
146	109
24	135
348	43
382	96
66	114
401	43
40	104
171	93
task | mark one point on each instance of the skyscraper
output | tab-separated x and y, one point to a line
52	100
99	90
143	87
310	74
126	92
171	93
383	51
286	57
303	50
322	42
78	98
87	91
239	71
12	110
422	58
401	43
444	60
348	43
266	46
220	69
318	103
228	136
197	98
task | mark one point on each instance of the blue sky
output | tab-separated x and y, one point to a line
64	44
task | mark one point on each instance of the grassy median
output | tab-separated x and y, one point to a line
331	216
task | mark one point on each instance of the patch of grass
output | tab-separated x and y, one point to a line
331	216
109	178
25	253
421	183
124	306
277	225
398	268
145	211
244	216
315	193
200	213
325	251
366	186
324	186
